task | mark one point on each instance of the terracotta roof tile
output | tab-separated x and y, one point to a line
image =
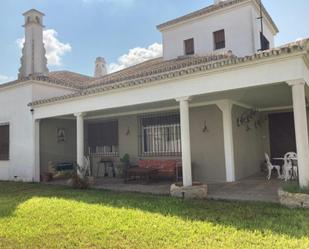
72	80
158	69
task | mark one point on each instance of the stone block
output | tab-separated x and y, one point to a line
197	191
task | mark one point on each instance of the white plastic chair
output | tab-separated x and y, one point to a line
289	171
270	167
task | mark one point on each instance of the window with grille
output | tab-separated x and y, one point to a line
189	46
219	39
4	142
160	135
103	138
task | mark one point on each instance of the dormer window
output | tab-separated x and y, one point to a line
189	46
219	39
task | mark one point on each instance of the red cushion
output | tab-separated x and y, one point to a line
142	163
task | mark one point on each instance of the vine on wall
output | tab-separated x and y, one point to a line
251	119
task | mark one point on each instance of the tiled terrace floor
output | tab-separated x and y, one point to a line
250	189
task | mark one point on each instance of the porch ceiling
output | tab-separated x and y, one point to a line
262	97
170	104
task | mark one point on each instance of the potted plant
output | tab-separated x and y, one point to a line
125	160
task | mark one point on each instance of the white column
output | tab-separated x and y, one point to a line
301	130
80	138
226	108
185	141
37	168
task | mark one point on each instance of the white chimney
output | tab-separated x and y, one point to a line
33	60
100	67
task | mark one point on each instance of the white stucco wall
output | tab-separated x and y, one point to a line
241	32
14	110
207	148
41	91
249	147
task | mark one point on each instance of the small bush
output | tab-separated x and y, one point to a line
295	188
79	183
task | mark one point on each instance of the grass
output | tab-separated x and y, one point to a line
295	188
39	216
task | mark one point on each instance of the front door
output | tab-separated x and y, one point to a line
282	134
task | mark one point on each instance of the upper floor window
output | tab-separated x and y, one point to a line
264	42
4	141
219	39
189	46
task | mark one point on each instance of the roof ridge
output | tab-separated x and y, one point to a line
213	8
68	71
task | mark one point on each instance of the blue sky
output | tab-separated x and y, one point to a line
81	30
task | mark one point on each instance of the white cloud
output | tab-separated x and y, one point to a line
135	56
4	78
55	49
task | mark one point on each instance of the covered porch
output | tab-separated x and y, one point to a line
218	138
223	110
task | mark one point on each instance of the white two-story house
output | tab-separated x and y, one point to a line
220	97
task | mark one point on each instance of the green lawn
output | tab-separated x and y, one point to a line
39	216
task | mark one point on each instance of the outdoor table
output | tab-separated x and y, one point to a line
291	158
282	159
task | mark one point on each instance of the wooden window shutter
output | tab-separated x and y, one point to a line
4	142
219	39
189	46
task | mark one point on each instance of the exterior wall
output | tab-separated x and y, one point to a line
265	136
128	143
50	149
237	24
248	147
14	110
207	148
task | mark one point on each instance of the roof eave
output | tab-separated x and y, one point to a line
186	18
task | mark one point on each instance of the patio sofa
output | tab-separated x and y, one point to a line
166	168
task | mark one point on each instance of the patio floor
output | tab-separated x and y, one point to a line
255	188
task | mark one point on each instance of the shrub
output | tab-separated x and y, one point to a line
295	188
78	182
